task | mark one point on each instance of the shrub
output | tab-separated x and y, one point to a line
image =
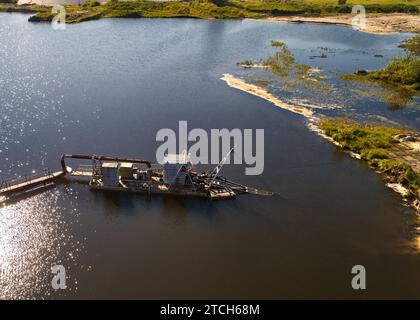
377	153
404	70
344	9
90	4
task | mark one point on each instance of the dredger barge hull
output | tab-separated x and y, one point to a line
115	174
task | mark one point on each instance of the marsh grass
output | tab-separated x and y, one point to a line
396	96
398	82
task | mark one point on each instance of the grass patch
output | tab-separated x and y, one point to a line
364	139
373	142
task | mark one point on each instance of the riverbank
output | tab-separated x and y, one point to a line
393	152
375	23
383	18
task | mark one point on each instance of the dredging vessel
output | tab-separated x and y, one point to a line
176	177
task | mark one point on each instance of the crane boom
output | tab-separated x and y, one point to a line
218	168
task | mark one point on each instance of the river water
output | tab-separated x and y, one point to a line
106	87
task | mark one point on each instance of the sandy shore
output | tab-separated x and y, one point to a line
375	23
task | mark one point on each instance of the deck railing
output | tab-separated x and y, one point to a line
7	184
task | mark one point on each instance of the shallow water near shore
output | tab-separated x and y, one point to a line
106	87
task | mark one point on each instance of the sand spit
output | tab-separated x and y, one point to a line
264	94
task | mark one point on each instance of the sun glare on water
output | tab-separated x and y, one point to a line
33	234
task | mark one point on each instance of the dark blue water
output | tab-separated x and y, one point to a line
107	87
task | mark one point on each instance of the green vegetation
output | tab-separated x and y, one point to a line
284	66
395	95
375	144
261	83
412	46
90	4
401	70
210	9
148	9
399	81
320	7
283	63
358	138
12	7
277	44
246	63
